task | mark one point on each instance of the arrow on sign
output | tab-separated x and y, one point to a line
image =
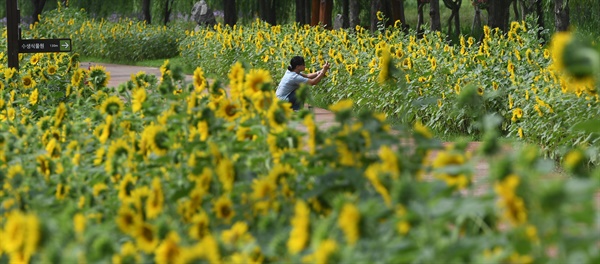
66	45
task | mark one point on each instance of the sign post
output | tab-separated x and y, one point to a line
12	33
16	45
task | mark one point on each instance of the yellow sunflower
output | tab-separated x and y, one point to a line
255	79
223	208
33	97
200	224
146	237
229	110
138	98
348	221
129	254
52	69
61	191
300	228
168	251
76	79
28	81
199	80
154	203
128	220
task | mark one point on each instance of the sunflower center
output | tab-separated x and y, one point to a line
230	110
225	211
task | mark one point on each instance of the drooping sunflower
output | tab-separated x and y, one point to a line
348	221
199	80
156	140
300	228
138	98
200	224
168	251
126	187
447	158
98	77
9	73
278	115
128	254
146	237
236	80
77	77
112	106
226	173
154	203
385	62
61	191
128	220
223	208
53	148
33	97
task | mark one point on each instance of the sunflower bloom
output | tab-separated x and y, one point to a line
449	158
223	208
154	203
28	82
33	97
348	221
300	228
168	251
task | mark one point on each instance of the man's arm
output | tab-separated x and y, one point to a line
318	75
311	75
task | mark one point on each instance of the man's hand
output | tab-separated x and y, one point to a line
326	66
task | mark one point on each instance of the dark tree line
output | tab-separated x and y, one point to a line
320	12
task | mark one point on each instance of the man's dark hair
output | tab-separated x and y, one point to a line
295	62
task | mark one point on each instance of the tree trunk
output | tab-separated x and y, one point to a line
229	12
315	12
527	8
326	9
398	14
420	18
345	13
146	11
498	14
353	12
386	8
516	9
300	12
307	11
168	9
38	6
266	11
375	5
561	15
434	14
476	28
539	9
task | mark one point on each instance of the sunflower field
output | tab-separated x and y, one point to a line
161	170
513	74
